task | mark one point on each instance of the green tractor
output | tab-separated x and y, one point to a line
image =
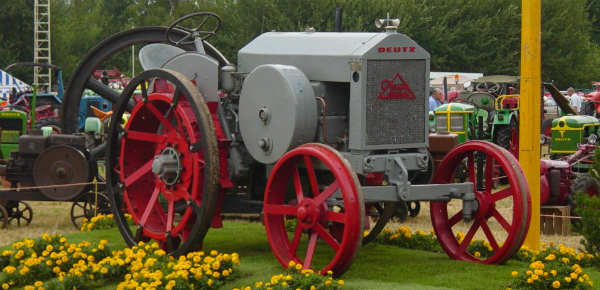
570	131
485	114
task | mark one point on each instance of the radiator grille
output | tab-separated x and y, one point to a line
391	120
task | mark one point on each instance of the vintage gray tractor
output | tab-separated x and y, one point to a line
306	124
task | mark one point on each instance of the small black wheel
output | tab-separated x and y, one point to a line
3	217
88	205
196	32
20	212
490	87
400	212
587	184
414	207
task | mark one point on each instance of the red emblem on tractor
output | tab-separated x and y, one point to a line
396	88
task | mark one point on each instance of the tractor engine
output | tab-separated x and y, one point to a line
49	161
555	183
352	91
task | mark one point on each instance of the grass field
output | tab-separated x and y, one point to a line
376	267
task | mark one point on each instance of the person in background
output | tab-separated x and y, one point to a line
435	100
575	101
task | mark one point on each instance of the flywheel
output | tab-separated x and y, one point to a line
59	165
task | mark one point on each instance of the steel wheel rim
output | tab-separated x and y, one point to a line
3	217
199	204
517	193
275	210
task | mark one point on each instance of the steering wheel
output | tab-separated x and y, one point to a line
484	87
196	32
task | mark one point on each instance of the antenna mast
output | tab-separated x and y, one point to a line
41	52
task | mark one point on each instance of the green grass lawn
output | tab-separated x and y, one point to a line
376	267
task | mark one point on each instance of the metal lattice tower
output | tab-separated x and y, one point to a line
41	52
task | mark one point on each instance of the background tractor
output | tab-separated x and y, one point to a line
492	104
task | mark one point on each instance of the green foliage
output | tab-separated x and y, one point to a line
461	35
589	210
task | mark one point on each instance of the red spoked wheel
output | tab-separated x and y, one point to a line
316	211
502	217
165	166
514	139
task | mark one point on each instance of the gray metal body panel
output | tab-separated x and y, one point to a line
200	68
383	114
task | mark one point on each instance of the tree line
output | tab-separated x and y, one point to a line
461	35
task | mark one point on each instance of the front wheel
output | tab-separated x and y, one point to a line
502	217
327	247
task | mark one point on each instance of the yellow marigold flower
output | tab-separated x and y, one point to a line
29	287
530	281
103	270
407	235
38	284
247	288
578	271
328	283
545	274
5	286
550	257
209	282
341	282
568	279
312	287
535	277
477	254
573	275
555	284
590	283
514	273
214	253
298	267
538	272
529	273
216	275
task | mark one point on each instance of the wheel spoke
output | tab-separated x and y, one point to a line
132	178
311	175
489	173
146	137
467	240
297	184
455	219
323	196
337	217
310	252
170	215
159	116
471	169
296	240
490	236
149	206
502	194
328	238
280	209
501	220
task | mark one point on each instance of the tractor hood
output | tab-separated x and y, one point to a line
574	122
455	108
326	56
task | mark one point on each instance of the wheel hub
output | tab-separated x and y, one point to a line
307	213
167	166
483	205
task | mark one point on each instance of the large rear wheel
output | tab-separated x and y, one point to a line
315	211
163	167
502	217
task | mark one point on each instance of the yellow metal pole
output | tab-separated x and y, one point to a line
529	133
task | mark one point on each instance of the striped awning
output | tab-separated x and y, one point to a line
8	82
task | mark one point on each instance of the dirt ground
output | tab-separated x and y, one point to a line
48	217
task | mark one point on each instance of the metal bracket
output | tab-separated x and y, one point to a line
398	176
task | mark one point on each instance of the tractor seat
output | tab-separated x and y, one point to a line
155	55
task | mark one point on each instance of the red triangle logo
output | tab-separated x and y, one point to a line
396	88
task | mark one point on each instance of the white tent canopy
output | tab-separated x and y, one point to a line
8	82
